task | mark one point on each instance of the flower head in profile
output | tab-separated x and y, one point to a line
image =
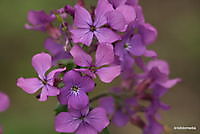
41	21
4	102
41	62
84	28
82	121
103	64
76	87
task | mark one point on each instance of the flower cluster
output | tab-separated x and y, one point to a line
109	40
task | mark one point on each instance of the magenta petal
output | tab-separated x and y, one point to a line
137	47
51	75
108	103
81	58
85	128
150	53
128	12
44	94
29	85
39	17
86	84
64	94
65	123
149	33
103	7
107	74
97	118
106	35
170	83
52	91
82	35
120	119
78	100
117	21
4	102
82	18
162	66
71	77
104	54
42	63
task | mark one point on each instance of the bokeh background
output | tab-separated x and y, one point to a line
178	23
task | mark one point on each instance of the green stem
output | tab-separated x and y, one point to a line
100	96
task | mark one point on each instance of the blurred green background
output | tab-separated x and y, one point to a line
178	23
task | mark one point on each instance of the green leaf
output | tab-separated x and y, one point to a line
105	131
60	108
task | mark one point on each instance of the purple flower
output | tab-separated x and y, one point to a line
121	15
41	62
76	87
84	28
40	21
120	112
102	67
82	121
158	71
4	102
57	50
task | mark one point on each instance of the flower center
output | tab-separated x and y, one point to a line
75	88
44	82
92	28
127	46
136	31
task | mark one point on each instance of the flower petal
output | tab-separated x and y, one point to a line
52	91
81	58
108	103
106	35
137	47
65	123
97	118
39	17
42	63
4	102
170	83
64	94
103	7
162	66
78	100
82	18
72	77
104	54
120	119
29	85
53	47
51	75
148	32
86	129
86	84
107	74
128	12
117	21
43	94
82	35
